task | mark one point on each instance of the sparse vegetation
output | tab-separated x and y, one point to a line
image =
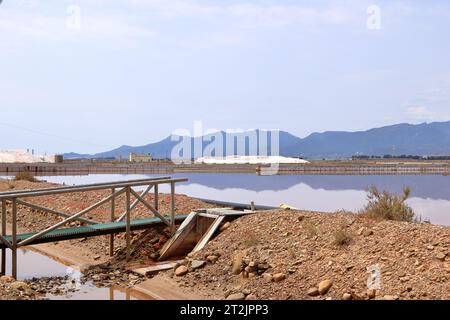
384	205
311	230
291	252
342	237
250	240
25	175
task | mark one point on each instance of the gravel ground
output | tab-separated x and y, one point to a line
290	254
279	254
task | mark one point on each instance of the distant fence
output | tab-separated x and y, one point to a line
81	168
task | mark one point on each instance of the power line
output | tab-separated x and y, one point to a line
63	138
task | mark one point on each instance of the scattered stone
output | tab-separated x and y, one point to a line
277	277
404	279
345	296
390	297
237	263
324	286
7	279
19	285
195	264
440	256
371	293
312	292
181	271
236	296
246	292
251	297
267	276
225	226
212	258
367	233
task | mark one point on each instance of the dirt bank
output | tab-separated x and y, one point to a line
302	255
279	254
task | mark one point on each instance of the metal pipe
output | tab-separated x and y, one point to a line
156	213
17	192
59	224
59	213
135	203
43	192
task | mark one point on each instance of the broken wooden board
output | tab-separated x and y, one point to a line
209	233
196	230
180	239
156	267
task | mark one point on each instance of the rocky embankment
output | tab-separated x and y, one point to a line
304	255
10	289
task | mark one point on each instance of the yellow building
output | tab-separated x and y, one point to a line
136	157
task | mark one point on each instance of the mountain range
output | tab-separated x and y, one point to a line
423	139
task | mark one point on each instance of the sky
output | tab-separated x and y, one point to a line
91	75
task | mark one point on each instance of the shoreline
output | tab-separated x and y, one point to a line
315	167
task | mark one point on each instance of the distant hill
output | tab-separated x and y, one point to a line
421	139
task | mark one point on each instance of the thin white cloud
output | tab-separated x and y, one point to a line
420	113
19	27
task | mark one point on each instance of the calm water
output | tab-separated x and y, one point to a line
36	265
430	196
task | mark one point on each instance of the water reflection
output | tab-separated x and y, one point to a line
430	196
36	265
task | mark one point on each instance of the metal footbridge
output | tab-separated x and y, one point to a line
90	228
90	231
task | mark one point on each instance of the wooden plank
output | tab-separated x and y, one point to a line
180	235
208	235
208	215
156	267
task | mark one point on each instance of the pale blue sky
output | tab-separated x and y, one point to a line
137	70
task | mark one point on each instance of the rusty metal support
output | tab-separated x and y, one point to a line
3	269
172	207
14	239
156	205
128	233
111	236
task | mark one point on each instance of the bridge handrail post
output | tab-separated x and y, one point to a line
128	235
14	238
113	209
172	207
3	269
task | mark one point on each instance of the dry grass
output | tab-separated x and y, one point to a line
342	237
25	176
311	230
250	240
384	205
291	252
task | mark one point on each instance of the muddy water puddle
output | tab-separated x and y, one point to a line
32	264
